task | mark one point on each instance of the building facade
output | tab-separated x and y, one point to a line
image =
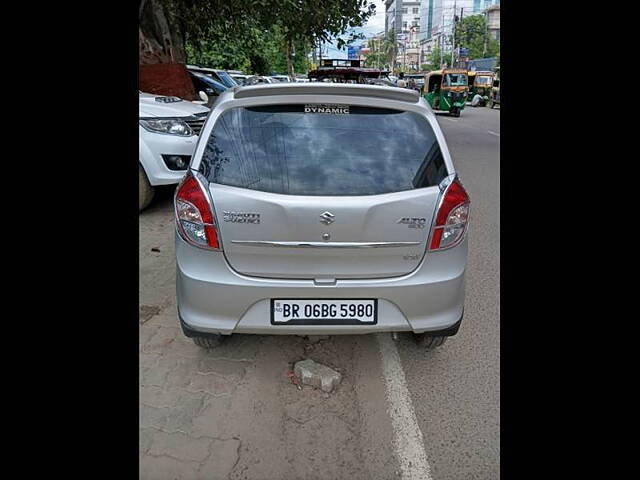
403	16
409	50
437	22
480	6
493	21
372	44
393	15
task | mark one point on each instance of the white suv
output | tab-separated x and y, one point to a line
168	132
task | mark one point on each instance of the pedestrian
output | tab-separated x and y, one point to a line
401	81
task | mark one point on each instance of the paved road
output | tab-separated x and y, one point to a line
456	389
398	413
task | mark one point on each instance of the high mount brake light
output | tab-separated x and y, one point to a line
194	217
452	218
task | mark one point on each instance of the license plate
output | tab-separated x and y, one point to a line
324	311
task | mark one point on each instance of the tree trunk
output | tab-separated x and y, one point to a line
158	41
289	62
162	53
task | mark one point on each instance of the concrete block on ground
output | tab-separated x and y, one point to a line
317	375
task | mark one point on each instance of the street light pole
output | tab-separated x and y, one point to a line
404	53
484	47
453	33
443	39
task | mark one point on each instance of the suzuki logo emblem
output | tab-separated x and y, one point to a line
327	218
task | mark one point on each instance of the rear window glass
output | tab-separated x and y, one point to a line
323	150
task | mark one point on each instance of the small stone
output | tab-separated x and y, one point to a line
317	338
317	375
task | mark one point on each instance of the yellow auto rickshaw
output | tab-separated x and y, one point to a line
447	90
480	83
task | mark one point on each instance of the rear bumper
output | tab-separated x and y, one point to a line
213	298
446	332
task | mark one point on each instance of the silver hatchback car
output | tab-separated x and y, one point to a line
321	209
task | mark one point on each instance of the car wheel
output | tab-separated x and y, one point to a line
145	190
208	342
429	342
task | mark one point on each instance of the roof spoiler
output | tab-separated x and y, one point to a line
349	90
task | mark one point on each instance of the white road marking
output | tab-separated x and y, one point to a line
407	437
493	133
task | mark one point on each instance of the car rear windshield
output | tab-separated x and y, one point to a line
323	150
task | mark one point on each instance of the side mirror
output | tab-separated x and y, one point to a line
203	96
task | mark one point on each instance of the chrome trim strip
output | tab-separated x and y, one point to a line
260	243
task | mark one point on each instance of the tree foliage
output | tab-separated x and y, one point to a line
438	59
249	29
471	33
261	55
382	51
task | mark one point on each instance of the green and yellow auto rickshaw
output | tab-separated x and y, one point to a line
447	90
480	83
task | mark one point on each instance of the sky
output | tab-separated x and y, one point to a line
374	25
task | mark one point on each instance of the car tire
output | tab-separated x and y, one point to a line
430	342
145	190
208	342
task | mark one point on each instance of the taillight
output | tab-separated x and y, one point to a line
194	217
452	218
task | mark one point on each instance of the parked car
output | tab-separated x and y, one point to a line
239	78
281	78
219	76
206	84
168	131
380	81
257	79
292	221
